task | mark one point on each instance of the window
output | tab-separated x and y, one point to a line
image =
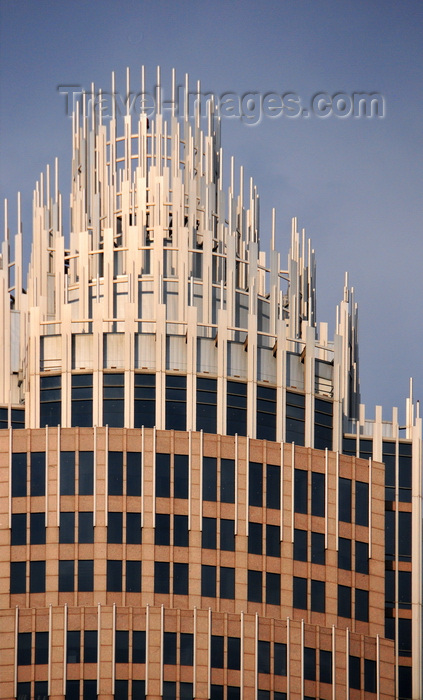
18	533
254	586
38	474
217	651
180	487
114	528
227	535
369	676
82	400
255	484
344	553
206	404
299	593
17	577
266	413
162	529
67	528
300	545
318	596
355	672
180	531
404	636
300	491
362	503
309	664
208	581
19	473
323	417
344	601
67	473
89	690
263	657
317	548
389	535
255	537
122	646
209	478
24	648
162	475
161	577
272	541
279	659
404	682
318	494
72	690
273	486
325	666
144	400
236	412
233	692
169	648
180	578
37	576
138	647
366	448
133	474
121	690
295	418
41	648
388	457
404	590
66	575
227	480
186	649
73	648
115	473
86	473
176	402
90	646
85	527
133	576
273	589
50	400
85	575
234	653
113	399
345	500
404	536
405	472
208	539
362	557
114	575
227	582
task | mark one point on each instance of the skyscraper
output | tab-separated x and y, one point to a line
194	503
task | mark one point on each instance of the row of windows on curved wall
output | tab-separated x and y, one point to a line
145	406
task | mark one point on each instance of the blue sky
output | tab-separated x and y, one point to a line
354	183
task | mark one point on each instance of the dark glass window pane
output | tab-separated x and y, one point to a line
404	589
180	531
90	646
37	528
208	581
254	586
114	528
86	473
24	648
73	649
121	690
273	486
50	400
66	575
280	659
89	689
272	540
227	582
176	402
18	534
227	535
133	576
24	691
300	490
216	652
255	484
161	577
318	494
236	413
233	692
138	647
162	530
122	647
361	605
255	537
37	577
325	666
208	538
133	473
389	535
41	647
67	473
266	413
145	400
344	601
180	578
354	669
299	593
19	474
318	596
185	691
187	649
263	657
162	475
180	487
85	575
227	480
344	553
169	690
67	528
115	473
72	690
17	577
85	527
38	474
404	637
273	589
206	404
404	536
113	400
309	664
114	575
300	545
234	653
345	500
369	676
317	548
362	503
389	589
362	557
404	682
295	415
133	528
169	648
209	478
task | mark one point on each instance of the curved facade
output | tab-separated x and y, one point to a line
194	502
